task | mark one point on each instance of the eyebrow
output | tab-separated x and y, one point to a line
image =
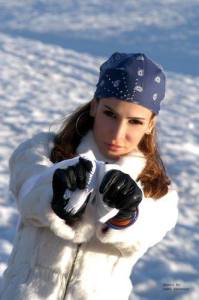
129	118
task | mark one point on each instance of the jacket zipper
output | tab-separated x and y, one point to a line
71	270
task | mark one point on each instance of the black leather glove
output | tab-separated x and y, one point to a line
122	192
71	178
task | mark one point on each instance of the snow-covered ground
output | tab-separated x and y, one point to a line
42	79
167	30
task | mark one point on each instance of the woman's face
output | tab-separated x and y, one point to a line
119	126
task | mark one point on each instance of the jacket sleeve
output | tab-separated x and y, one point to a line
155	219
33	191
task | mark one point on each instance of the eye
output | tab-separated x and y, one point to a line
136	122
109	113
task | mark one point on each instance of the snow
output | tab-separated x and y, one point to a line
42	80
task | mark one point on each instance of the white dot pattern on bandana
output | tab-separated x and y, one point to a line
138	88
140	57
157	79
140	72
155	96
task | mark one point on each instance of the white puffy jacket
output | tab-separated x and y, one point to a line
53	261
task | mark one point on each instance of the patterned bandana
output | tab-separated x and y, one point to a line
134	78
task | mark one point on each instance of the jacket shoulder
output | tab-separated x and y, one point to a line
40	143
30	158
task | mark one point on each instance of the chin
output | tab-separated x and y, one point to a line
112	155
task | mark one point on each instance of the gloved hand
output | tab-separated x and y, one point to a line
71	178
122	192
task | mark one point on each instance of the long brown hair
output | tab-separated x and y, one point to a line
153	177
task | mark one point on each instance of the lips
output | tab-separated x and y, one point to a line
114	146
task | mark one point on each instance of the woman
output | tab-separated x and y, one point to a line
60	255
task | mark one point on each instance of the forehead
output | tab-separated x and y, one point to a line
124	108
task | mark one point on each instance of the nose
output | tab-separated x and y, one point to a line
119	132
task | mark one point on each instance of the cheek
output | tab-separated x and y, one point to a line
135	135
102	124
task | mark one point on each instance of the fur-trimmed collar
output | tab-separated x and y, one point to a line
133	163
